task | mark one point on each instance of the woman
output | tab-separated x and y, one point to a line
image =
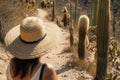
27	42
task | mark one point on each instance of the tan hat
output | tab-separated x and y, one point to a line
32	38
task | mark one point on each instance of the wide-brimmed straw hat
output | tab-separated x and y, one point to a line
32	38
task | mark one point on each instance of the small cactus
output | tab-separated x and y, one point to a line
70	12
113	26
48	4
76	6
71	35
66	17
83	25
43	3
33	2
95	10
53	11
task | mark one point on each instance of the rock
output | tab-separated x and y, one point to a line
48	57
59	56
64	75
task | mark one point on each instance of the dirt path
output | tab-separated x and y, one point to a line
60	58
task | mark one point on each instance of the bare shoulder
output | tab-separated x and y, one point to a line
49	73
49	66
50	69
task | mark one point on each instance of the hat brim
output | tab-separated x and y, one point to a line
29	51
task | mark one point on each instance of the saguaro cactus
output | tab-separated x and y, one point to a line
115	9
66	17
48	4
33	2
43	3
83	25
53	11
113	26
70	12
95	10
76	6
103	24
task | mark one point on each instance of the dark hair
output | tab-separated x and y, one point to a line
23	65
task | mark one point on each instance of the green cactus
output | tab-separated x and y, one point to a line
76	6
66	17
43	3
113	26
53	11
83	25
103	24
71	35
33	2
70	12
95	10
114	12
91	13
48	4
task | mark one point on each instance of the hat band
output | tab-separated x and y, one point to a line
34	41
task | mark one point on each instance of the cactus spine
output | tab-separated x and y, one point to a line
53	11
103	24
83	25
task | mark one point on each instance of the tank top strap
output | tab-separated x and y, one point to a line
42	70
37	75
